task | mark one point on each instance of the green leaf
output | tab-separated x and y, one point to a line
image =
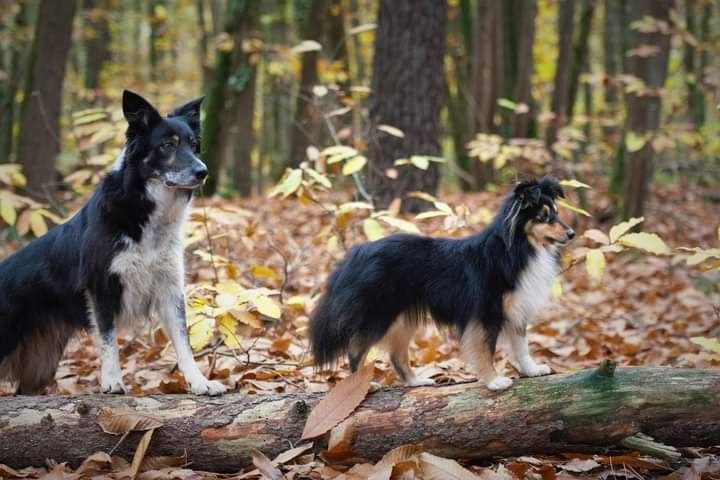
506	103
595	263
711	344
291	183
634	142
420	162
572	207
648	242
354	165
574	184
622	228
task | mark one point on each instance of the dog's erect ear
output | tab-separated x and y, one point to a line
527	193
551	187
190	111
138	111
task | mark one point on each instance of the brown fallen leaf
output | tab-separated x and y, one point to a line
341	437
266	467
438	468
140	453
339	403
118	422
158	463
95	464
404	453
292	453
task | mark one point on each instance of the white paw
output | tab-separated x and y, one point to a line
111	386
207	387
420	382
537	370
499	383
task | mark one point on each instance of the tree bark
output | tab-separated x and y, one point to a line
580	61
527	10
97	40
407	93
644	108
563	69
39	141
586	411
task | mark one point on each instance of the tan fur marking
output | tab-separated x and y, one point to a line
476	352
396	342
538	233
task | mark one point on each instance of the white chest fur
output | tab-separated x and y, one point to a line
151	270
533	290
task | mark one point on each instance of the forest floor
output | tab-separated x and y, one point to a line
643	312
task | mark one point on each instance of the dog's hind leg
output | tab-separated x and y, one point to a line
172	315
357	351
478	347
36	359
396	341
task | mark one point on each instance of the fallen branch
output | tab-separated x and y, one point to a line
587	411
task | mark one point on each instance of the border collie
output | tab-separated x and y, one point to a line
117	261
488	286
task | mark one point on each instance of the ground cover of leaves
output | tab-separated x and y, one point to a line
255	268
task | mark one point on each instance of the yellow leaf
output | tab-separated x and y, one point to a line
622	228
354	165
595	263
227	325
423	196
420	162
318	177
23	223
306	46
248	318
225	301
702	255
372	229
37	224
296	301
711	344
574	184
431	214
557	288
597	236
572	207
400	224
228	287
7	212
649	242
634	142
338	153
200	332
266	306
444	207
291	183
261	271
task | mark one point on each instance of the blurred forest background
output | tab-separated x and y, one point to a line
464	94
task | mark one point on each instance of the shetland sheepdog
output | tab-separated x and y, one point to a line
117	261
487	286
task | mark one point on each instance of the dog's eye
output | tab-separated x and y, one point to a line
195	144
168	145
543	218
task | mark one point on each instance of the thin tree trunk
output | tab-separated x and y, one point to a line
96	32
203	42
580	61
587	411
563	68
644	108
157	12
693	69
308	117
407	93
520	125
39	141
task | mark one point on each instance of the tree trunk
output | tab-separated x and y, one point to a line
527	11
580	61
39	141
563	68
203	42
229	136
13	59
693	68
97	40
586	411
308	117
612	39
157	15
407	93
644	108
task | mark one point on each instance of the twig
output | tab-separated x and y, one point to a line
209	241
285	269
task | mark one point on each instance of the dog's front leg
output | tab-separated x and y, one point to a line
522	361
103	316
172	316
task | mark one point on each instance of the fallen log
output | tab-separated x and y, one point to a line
585	411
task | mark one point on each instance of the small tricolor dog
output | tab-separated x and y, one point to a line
118	261
488	286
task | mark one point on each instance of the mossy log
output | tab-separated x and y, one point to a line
587	411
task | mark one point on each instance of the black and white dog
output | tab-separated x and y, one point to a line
488	286
119	260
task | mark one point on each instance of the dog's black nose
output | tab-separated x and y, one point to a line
201	173
570	234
